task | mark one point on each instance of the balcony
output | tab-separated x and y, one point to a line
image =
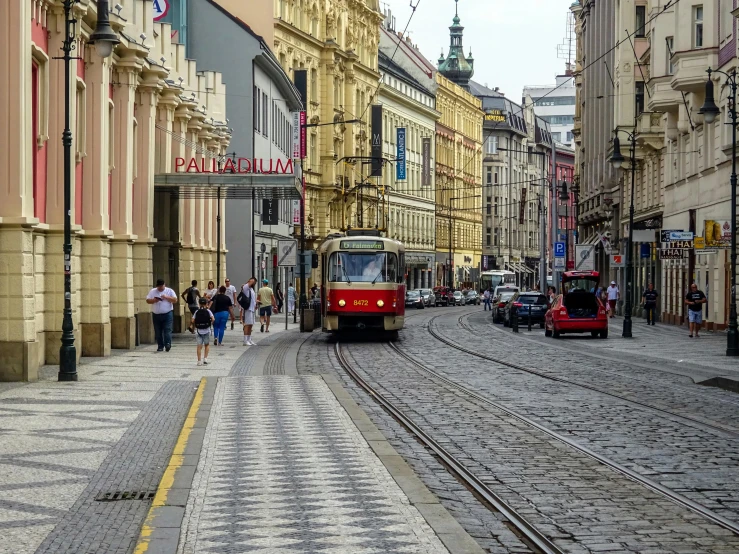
690	69
663	97
650	130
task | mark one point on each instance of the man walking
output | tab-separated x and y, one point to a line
266	303
290	299
486	300
613	296
649	299
231	293
247	299
190	297
695	300
162	299
202	319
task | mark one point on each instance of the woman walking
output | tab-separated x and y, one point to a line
290	299
222	309
280	297
210	292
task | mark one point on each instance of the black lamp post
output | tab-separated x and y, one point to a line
709	110
617	160
564	197
104	39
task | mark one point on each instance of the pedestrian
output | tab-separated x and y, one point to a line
280	297
221	308
290	299
190	297
202	319
695	300
247	299
266	302
210	292
550	295
613	296
162	299
649	299
314	288
231	293
486	300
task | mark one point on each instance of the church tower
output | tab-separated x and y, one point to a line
456	67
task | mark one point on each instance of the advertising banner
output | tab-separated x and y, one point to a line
716	233
426	162
270	213
376	144
296	212
400	167
522	206
303	133
296	135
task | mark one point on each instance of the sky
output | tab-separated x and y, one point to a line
514	42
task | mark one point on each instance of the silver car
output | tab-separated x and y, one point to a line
429	299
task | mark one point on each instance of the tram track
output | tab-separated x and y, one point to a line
526	531
703	425
656	487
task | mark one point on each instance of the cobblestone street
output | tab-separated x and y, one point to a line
597	445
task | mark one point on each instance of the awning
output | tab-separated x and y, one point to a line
202	185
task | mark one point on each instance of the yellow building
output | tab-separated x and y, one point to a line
337	43
458	167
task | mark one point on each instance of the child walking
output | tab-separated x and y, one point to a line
202	321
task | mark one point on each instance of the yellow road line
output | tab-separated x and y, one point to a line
175	462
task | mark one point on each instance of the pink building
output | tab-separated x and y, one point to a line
567	221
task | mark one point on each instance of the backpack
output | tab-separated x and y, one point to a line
202	319
190	297
244	300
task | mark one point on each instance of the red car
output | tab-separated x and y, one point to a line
577	310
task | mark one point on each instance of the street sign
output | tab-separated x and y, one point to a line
160	9
584	257
671	253
617	260
559	263
559	249
706	251
287	253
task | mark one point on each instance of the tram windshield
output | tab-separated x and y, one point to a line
360	267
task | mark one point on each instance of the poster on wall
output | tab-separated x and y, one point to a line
400	166
426	162
716	233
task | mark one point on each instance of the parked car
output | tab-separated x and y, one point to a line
443	296
413	299
578	310
524	303
458	298
429	299
500	300
472	298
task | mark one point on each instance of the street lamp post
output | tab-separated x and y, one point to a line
565	197
709	110
104	39
617	160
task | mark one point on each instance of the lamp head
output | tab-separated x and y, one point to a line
617	158
104	37
709	109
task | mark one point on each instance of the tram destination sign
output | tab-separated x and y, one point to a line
361	245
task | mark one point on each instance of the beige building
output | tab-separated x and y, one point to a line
132	114
337	43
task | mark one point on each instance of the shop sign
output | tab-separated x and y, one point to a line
617	260
680	235
160	9
238	165
400	155
678	245
426	162
296	135
716	233
671	254
665	234
497	116
706	251
296	212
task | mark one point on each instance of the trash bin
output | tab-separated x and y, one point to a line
316	307
307	321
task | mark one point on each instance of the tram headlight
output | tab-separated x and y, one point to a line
380	303
342	303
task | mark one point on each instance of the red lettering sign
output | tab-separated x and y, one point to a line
240	165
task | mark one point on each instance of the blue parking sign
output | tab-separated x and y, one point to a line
559	249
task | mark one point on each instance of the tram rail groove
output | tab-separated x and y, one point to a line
526	530
650	484
716	427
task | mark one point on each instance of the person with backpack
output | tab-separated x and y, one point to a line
221	307
247	299
202	319
190	296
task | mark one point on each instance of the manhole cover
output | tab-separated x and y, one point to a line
113	496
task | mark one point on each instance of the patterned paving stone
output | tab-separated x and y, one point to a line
285	470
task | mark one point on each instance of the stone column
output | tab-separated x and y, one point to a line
121	248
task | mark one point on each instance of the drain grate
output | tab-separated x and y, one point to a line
113	496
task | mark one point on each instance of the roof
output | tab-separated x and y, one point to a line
387	64
480	90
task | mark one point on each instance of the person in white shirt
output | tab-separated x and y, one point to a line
162	299
248	301
231	293
613	296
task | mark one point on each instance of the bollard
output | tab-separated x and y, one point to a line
514	319
529	317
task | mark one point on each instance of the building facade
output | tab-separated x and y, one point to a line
336	42
126	112
409	105
555	104
458	167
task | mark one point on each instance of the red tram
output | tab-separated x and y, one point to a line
362	284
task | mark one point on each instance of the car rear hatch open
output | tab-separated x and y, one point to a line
579	294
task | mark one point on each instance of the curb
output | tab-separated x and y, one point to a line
448	529
160	532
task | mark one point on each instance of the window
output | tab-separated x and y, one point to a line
555	101
670	41
488	205
726	23
641	20
559	119
495	237
265	115
557	137
639	97
570	136
495	206
256	100
489	172
489	237
491	145
697	26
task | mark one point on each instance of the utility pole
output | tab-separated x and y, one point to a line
555	216
543	230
